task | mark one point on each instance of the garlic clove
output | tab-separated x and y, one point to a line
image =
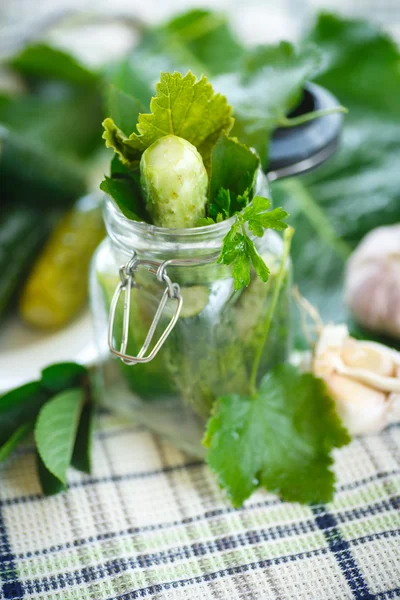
385	384
331	337
324	364
362	409
363	378
372	281
356	354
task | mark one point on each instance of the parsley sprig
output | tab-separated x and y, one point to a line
238	248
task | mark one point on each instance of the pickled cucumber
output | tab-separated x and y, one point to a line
23	231
58	285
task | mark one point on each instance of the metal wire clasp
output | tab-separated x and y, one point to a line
171	291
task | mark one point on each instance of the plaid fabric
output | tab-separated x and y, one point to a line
151	523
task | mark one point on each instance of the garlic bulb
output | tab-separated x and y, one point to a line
372	284
362	377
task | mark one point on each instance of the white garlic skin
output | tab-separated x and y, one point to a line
362	377
362	409
372	282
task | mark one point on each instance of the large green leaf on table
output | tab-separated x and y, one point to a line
266	88
43	61
56	429
359	188
34	175
280	439
182	106
360	63
49	128
59	117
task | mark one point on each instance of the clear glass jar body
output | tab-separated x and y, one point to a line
210	351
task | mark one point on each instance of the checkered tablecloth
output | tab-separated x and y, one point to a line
152	523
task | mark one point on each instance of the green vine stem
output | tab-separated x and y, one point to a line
293	121
287	240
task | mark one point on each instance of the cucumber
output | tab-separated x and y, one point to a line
58	285
23	230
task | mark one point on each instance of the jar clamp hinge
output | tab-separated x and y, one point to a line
172	291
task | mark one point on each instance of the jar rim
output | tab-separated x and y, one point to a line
128	234
142	227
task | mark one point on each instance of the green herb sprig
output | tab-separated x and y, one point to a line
239	249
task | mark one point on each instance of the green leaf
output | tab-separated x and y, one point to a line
61	376
205	221
82	454
60	119
260	218
234	168
232	244
18	407
199	40
47	62
221	204
280	439
137	73
237	247
16	437
241	270
124	192
202	39
50	484
183	107
52	181
260	204
55	431
258	263
125	189
124	109
358	51
267	87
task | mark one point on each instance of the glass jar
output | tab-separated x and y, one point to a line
209	350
